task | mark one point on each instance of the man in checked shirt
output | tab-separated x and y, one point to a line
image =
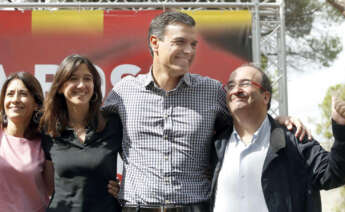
169	117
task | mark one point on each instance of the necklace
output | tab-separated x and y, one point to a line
79	131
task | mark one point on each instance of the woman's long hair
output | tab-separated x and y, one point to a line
55	112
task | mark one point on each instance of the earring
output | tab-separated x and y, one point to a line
36	116
94	97
4	118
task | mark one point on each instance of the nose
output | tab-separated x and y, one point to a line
16	97
235	91
81	83
236	88
189	48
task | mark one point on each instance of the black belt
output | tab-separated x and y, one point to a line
198	207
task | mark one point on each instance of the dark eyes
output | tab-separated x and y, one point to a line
179	42
86	78
21	93
182	42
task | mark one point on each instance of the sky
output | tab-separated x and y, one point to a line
307	89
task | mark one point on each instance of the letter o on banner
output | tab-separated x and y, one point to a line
120	70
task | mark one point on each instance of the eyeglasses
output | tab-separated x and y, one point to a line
242	84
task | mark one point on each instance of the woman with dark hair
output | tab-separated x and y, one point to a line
79	141
25	178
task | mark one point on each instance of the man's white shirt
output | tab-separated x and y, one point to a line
239	183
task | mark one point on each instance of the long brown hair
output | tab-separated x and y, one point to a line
35	89
55	112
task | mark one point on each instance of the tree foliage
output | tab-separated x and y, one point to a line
309	38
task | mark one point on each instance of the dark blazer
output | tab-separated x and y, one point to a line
294	172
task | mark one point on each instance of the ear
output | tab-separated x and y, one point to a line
60	90
36	106
154	43
267	96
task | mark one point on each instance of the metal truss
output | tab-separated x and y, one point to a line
268	32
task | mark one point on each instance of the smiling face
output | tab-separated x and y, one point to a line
249	96
19	104
176	51
79	88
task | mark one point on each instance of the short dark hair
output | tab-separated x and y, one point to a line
159	23
35	89
55	111
265	82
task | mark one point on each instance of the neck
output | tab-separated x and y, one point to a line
163	78
16	130
77	115
246	124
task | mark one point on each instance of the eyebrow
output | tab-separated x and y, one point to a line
182	38
242	80
10	90
88	74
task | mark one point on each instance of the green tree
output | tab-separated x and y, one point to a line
309	40
324	127
338	5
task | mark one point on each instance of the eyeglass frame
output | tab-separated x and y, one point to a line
243	84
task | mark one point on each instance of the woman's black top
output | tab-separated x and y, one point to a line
82	170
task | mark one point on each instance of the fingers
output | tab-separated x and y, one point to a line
338	108
300	133
310	136
301	130
288	124
113	188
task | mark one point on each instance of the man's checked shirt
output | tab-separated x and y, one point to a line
167	137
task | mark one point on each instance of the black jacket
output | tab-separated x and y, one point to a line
294	172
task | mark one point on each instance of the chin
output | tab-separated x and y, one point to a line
183	71
180	68
15	116
238	107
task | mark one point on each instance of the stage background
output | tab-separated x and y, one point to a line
116	41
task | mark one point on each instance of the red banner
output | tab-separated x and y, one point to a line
116	41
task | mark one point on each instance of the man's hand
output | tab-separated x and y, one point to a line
338	110
113	187
289	122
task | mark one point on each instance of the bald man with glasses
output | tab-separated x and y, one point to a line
261	166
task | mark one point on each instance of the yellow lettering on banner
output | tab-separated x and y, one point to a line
67	22
219	18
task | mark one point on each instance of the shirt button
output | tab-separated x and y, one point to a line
165	137
166	179
167	202
166	157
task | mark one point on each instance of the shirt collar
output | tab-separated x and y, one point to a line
91	126
186	79
259	134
